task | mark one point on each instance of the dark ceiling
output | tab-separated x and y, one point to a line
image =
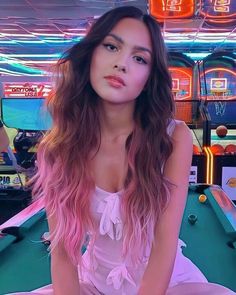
34	33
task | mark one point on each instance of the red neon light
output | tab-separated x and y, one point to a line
218	11
162	9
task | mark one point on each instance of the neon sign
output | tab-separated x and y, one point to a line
171	8
26	90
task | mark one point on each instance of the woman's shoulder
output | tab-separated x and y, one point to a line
176	125
178	128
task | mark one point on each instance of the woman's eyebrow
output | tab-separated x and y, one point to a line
117	38
120	40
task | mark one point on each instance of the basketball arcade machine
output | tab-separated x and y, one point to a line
190	110
216	15
218	86
182	68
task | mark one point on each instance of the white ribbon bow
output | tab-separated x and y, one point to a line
117	276
110	222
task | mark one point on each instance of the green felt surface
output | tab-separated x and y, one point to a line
25	265
210	240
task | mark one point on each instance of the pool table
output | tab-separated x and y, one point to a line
211	243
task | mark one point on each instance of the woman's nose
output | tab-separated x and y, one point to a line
120	68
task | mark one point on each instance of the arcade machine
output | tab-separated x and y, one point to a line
31	118
219	13
218	86
190	110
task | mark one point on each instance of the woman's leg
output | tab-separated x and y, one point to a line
85	289
199	289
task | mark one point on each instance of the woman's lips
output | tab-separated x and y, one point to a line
115	81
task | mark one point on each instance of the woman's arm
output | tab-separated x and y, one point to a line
64	274
161	262
4	140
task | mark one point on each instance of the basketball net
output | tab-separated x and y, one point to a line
220	102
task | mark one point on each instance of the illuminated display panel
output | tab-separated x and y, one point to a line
182	79
220	84
162	9
26	113
181	82
26	89
219	10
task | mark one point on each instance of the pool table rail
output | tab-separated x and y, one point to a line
224	208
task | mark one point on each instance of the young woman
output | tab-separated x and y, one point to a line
114	168
4	140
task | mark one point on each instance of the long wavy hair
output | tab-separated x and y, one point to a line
63	177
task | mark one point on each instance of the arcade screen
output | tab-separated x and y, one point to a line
26	113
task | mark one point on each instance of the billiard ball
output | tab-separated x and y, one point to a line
202	198
45	238
192	218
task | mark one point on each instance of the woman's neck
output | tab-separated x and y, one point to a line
116	120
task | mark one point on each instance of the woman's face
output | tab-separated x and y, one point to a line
121	64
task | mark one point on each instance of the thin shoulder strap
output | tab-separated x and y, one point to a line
170	130
171	127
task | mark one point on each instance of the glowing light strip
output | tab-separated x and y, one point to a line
76	29
15	63
197	56
49	34
16	35
209	165
75	34
57	55
12	73
199	41
45	41
62	35
7	42
30	42
220	34
62	41
24	62
220	70
4	71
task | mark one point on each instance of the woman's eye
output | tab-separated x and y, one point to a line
110	47
140	60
